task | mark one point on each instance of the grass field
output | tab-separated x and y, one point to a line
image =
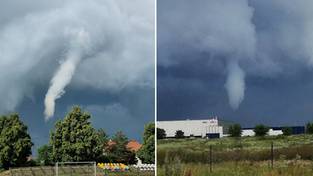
241	156
282	168
253	143
78	171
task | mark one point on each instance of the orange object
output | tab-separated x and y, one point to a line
133	145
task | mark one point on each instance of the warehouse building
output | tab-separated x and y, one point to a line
274	131
208	128
271	132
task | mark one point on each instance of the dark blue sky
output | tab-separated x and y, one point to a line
270	41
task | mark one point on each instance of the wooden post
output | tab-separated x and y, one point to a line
272	154
95	167
210	158
57	169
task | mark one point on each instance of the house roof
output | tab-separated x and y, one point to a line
133	145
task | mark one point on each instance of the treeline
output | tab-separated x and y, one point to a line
261	130
72	139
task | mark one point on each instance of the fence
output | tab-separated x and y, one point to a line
212	155
71	171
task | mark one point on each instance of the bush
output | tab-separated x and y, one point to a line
309	128
146	152
287	131
179	134
234	130
45	155
260	130
161	133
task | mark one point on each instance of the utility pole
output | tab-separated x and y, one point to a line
272	154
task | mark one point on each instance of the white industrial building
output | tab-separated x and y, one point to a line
271	132
192	128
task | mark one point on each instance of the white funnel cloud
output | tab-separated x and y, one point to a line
235	84
64	74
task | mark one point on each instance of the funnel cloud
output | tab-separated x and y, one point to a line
235	84
66	71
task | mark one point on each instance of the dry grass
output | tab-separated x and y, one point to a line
293	156
242	168
230	149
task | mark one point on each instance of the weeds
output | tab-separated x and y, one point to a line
237	156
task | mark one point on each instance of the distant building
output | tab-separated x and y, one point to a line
192	128
274	131
271	132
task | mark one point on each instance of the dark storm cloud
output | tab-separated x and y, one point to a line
91	53
103	45
215	53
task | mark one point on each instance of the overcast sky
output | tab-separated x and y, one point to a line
245	61
96	54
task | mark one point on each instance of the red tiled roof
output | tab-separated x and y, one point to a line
133	145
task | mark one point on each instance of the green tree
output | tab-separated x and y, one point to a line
146	152
287	131
161	133
260	130
309	128
148	131
118	151
103	137
74	138
234	130
44	155
179	134
15	142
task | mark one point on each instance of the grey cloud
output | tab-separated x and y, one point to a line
264	38
34	42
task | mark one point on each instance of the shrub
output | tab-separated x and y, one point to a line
235	130
309	128
146	152
161	133
287	131
179	134
44	155
260	130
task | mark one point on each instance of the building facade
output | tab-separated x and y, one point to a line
274	131
271	132
192	128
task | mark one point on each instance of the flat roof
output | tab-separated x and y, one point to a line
187	120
